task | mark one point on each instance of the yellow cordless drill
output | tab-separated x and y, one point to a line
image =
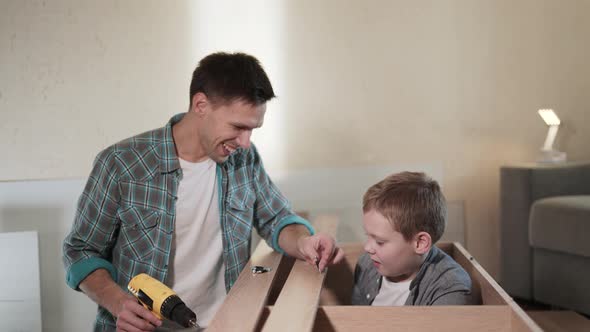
161	300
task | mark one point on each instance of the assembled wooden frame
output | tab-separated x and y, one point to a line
295	296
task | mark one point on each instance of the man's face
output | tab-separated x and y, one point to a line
227	127
392	255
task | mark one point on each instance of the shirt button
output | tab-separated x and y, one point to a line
368	296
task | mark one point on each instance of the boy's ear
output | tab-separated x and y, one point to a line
422	243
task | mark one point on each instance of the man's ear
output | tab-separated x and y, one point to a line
199	104
422	243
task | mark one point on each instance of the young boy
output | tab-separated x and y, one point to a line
403	216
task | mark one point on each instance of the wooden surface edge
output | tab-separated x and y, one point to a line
520	321
300	296
413	318
251	289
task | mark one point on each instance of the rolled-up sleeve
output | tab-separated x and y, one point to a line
272	211
88	245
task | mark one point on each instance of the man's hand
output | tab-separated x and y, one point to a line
132	317
318	250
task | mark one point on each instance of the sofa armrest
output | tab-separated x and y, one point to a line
520	186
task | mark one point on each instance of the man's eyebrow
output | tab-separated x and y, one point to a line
243	126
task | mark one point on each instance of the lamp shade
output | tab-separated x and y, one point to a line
549	117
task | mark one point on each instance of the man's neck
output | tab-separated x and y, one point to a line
186	139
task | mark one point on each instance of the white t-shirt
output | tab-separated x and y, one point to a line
392	293
197	268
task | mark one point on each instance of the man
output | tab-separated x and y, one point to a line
179	203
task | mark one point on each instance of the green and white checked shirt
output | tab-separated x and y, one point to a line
125	215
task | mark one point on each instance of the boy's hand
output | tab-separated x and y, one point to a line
319	250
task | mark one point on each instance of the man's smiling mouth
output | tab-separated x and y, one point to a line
228	149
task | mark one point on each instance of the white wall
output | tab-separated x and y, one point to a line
47	207
360	83
20	294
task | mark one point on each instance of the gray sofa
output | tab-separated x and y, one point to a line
545	234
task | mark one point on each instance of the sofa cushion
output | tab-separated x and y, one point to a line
561	224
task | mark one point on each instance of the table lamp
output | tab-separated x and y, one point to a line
548	154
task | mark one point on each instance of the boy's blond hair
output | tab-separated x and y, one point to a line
412	202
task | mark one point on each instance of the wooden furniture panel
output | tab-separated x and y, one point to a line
307	300
300	294
427	319
244	303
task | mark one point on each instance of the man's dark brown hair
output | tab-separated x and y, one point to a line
226	77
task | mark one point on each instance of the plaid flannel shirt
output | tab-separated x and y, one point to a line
125	216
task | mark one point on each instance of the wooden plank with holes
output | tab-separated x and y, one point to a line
484	285
244	303
299	298
491	292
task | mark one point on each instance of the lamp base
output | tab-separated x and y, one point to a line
551	157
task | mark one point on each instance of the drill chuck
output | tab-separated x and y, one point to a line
174	309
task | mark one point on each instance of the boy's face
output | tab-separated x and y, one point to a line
393	256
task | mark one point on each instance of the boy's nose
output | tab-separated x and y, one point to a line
368	247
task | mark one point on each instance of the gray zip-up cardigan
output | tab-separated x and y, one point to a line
440	281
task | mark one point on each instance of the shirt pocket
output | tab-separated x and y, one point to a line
241	213
138	232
